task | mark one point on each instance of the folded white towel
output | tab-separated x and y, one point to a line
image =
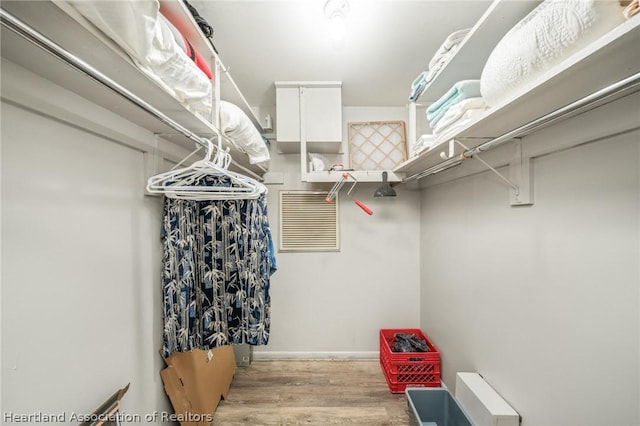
467	117
460	91
456	111
423	143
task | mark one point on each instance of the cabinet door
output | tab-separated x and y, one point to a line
323	113
288	114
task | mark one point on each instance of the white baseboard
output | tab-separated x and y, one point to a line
276	355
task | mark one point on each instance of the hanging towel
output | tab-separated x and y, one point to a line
460	91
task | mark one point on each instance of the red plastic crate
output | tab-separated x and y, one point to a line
402	369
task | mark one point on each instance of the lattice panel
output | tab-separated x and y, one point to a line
378	145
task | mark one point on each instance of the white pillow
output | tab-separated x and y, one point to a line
235	124
144	34
545	37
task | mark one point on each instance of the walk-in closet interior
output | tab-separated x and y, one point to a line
267	212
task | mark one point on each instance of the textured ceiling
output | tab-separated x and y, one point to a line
387	44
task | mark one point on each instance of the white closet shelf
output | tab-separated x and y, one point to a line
97	51
608	60
359	175
473	52
189	28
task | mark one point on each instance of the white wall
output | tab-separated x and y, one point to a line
81	256
81	261
333	304
543	301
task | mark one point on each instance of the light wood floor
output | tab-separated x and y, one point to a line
311	393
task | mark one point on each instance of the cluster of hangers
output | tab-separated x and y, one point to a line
185	183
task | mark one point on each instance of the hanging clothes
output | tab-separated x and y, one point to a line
218	259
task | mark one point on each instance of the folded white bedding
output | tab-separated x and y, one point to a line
143	33
235	124
423	143
457	111
550	33
453	128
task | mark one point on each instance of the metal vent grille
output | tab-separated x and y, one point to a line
308	222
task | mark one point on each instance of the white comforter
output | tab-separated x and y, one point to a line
143	33
549	34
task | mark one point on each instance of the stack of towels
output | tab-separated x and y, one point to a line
442	56
424	143
457	107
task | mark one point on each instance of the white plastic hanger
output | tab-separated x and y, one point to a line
183	183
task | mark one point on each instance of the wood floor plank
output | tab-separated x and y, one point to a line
309	416
311	393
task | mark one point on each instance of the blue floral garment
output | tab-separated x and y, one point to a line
218	259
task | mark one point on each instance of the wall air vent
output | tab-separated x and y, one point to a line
308	222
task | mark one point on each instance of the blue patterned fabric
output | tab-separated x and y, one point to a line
218	259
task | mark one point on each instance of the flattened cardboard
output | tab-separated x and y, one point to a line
196	381
108	409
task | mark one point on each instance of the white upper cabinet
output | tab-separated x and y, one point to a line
309	116
309	121
323	113
288	114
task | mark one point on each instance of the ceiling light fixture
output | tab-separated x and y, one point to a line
336	12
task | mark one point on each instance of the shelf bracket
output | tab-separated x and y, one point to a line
521	172
152	163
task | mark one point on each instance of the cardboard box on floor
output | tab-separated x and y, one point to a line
196	381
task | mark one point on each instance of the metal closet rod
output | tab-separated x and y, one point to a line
28	33
631	83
